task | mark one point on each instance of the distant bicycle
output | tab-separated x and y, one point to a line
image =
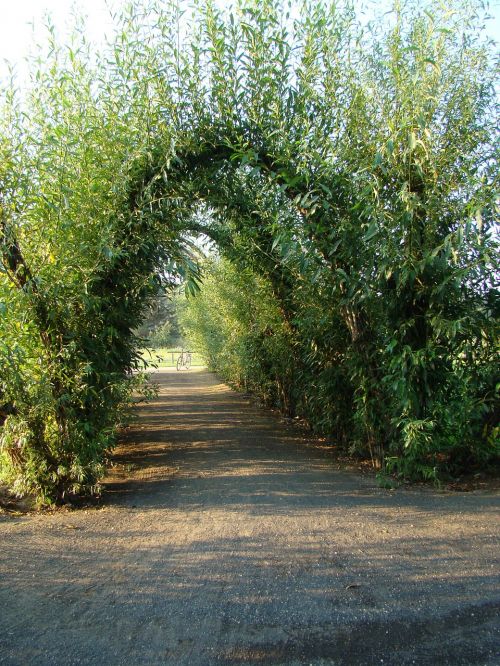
184	360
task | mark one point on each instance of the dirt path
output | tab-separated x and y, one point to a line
225	537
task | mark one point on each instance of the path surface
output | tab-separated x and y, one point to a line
225	537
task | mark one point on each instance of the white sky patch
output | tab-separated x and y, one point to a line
22	27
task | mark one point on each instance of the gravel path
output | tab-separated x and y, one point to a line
226	537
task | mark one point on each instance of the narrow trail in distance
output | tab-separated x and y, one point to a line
226	536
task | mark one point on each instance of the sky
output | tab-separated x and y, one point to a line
21	25
17	35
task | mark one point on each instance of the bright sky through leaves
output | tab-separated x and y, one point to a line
21	25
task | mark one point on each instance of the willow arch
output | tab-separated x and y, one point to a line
373	176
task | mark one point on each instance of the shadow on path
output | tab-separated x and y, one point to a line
229	537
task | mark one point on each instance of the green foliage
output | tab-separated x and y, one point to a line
160	327
162	335
347	174
236	325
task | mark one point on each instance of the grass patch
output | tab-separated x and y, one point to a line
165	357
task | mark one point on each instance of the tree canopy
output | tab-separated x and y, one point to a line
347	172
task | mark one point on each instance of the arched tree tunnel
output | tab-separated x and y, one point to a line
321	152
